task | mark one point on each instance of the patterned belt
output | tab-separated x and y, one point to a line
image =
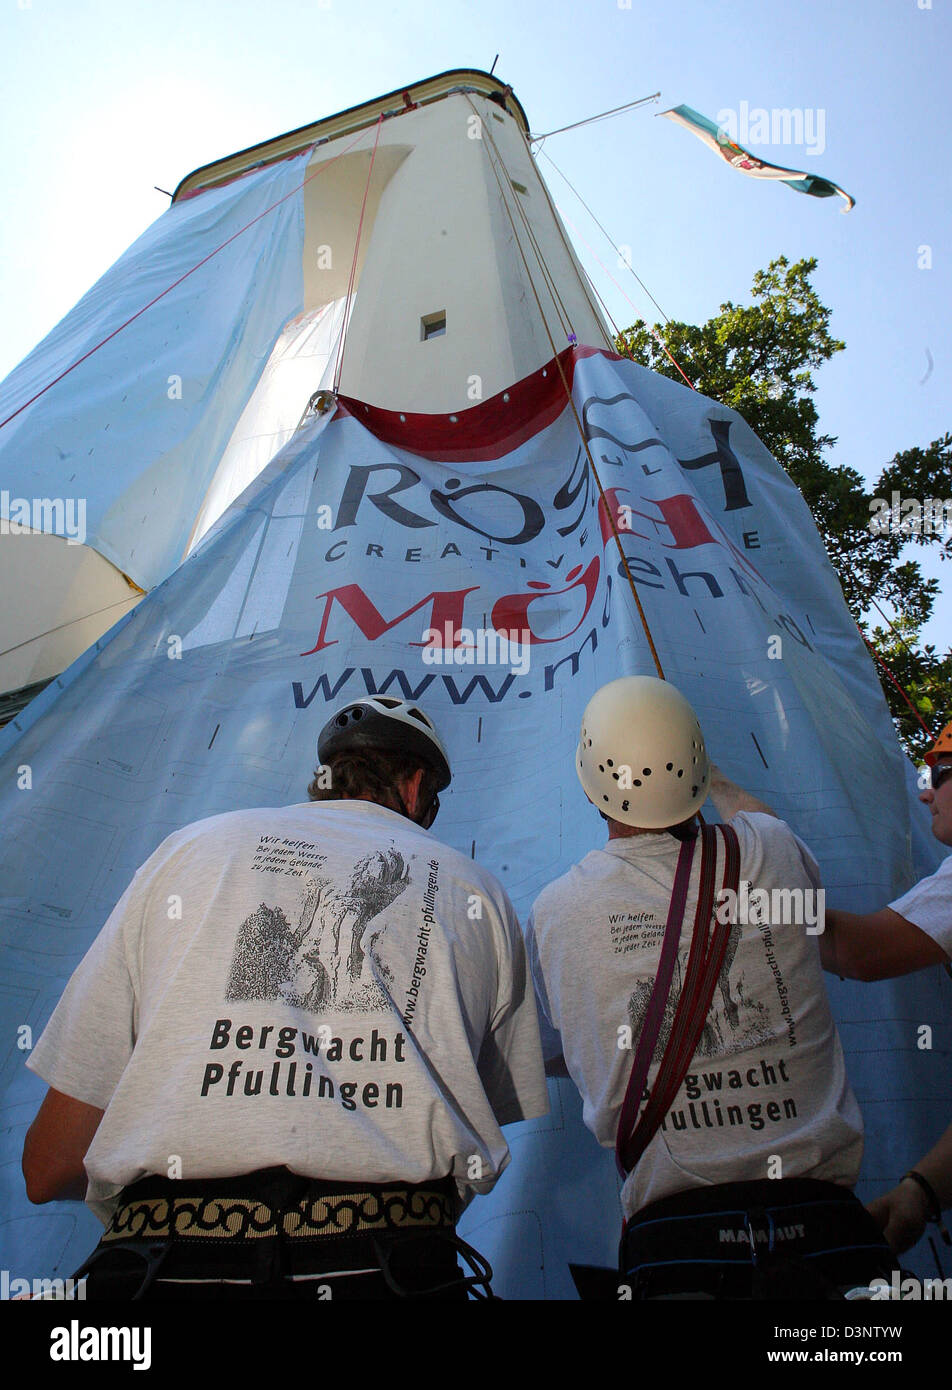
323	1210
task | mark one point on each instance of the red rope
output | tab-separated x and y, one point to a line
353	265
877	657
177	282
618	287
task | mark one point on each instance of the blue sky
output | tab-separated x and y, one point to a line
102	99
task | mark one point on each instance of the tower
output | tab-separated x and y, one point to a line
275	509
117	470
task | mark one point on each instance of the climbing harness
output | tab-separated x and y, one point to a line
274	1234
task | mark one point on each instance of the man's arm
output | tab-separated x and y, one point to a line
730	799
549	1037
902	1213
86	1046
55	1147
875	945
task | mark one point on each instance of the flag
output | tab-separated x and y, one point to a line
717	139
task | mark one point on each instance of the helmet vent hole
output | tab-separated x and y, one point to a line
637	781
601	767
680	771
615	775
670	766
646	772
609	762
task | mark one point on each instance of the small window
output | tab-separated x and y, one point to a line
433	325
519	187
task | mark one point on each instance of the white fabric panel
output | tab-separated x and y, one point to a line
303	361
137	430
66	596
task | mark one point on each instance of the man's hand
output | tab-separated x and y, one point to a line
901	1215
55	1147
731	799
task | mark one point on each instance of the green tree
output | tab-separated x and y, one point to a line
921	674
759	359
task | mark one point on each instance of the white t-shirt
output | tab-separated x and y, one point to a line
768	1079
928	905
323	986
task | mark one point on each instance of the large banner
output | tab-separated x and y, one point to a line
391	553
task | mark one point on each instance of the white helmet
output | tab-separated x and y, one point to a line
641	757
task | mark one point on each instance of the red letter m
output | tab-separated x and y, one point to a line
447	608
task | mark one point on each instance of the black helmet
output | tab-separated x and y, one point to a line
389	725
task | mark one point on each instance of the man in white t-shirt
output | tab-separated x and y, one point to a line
291	1047
913	932
764	1132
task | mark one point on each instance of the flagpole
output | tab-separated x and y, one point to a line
629	106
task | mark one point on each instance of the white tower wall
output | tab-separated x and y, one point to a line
455	222
448	238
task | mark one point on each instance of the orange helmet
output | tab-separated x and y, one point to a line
942	748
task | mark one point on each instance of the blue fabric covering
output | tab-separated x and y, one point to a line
137	429
320	582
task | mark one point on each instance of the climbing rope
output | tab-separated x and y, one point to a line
353	264
568	390
607	236
878	659
168	289
660	341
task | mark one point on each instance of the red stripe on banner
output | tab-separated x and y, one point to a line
484	431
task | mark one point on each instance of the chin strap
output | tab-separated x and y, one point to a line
426	819
687	830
